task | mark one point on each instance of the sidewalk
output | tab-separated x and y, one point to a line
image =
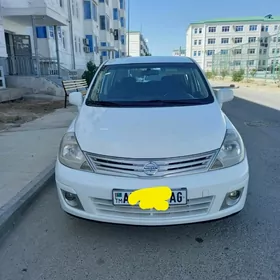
27	156
266	96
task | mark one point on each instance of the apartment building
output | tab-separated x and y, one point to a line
179	52
253	42
136	45
70	32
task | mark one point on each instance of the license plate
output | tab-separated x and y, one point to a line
178	197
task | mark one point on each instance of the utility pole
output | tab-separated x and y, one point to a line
180	51
128	26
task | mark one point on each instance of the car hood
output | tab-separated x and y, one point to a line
150	132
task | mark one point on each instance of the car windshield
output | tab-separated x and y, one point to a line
157	85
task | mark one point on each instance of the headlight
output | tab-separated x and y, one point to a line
232	151
70	153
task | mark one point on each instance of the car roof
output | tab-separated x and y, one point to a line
149	59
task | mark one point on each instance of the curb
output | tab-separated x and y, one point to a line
12	211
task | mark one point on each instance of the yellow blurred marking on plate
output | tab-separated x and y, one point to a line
155	197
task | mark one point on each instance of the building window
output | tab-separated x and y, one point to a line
274	39
194	53
265	39
77	10
237	51
102	23
90	41
75	44
210	52
275	27
195	42
59	32
264	51
94	11
251	51
200	30
211	41
80	47
224	51
122	21
195	31
115	14
239	28
273	50
225	29
73	7
199	53
264	28
238	40
224	40
107	23
252	39
278	51
87	11
41	32
264	62
211	29
278	39
51	31
121	4
236	63
260	51
122	39
199	42
250	62
253	27
63	40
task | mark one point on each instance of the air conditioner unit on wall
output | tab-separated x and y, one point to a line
86	49
86	41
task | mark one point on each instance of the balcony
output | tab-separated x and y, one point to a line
46	12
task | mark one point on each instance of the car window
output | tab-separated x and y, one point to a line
150	85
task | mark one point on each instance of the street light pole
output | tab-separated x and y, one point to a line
128	26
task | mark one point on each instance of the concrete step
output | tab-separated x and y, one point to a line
10	94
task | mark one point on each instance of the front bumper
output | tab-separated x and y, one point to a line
206	194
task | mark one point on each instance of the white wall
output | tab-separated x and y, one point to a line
3	52
81	28
136	41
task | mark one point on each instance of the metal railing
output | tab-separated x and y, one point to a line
27	66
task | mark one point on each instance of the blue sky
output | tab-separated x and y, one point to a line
164	22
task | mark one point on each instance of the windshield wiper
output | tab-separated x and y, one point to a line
102	103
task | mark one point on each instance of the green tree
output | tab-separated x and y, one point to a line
253	73
224	73
90	72
238	76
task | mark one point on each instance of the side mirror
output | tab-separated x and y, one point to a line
224	95
76	98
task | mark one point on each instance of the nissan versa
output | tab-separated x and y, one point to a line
148	122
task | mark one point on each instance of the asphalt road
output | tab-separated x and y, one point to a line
49	244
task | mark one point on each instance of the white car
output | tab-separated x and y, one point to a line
130	135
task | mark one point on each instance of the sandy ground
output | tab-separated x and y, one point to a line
13	114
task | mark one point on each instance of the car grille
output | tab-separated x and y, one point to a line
135	167
196	206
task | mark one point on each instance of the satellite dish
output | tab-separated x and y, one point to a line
268	16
